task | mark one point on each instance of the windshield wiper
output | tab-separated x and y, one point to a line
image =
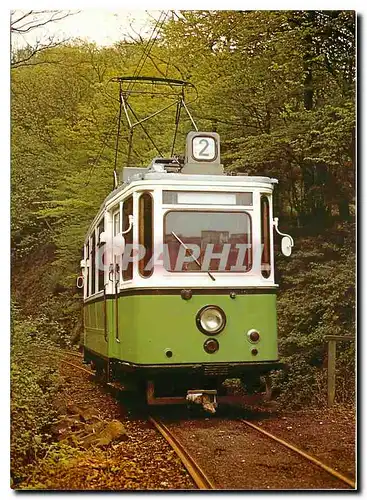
191	254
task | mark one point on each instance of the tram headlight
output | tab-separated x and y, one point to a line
211	320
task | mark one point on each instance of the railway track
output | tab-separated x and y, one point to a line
199	477
76	354
209	484
79	368
303	454
197	474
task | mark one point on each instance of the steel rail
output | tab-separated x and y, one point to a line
197	474
303	454
75	354
78	367
55	350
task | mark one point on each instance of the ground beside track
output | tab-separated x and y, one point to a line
144	461
235	457
327	434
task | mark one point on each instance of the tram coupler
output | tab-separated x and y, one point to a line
205	397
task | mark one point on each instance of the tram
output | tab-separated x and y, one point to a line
178	278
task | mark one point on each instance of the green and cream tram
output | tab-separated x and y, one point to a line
178	276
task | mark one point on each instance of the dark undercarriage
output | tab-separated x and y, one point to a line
178	378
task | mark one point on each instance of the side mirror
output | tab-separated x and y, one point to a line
80	282
82	264
286	245
287	241
102	237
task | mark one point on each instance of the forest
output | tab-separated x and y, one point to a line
278	86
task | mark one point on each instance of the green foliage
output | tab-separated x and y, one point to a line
34	383
43	474
253	71
317	299
279	87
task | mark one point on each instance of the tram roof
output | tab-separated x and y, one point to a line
180	179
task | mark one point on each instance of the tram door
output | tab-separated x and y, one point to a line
118	274
99	260
115	269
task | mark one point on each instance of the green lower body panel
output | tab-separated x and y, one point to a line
142	329
95	337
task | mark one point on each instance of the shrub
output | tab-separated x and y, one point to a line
34	382
316	299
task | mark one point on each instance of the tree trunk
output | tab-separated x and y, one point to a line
307	63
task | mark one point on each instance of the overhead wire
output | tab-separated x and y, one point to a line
104	144
144	54
147	49
137	71
118	134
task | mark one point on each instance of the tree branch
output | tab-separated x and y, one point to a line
33	20
23	60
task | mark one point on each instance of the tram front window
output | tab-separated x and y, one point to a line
207	241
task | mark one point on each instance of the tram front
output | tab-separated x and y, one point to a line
214	305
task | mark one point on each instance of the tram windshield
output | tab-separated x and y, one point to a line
207	241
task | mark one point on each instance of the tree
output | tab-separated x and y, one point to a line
271	83
24	22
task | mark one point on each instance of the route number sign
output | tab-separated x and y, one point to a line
204	148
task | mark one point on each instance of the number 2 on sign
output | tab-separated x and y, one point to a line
206	145
204	148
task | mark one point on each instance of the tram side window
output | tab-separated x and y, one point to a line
127	274
265	237
100	257
87	268
146	233
116	223
93	263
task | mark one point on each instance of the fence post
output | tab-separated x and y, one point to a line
331	364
